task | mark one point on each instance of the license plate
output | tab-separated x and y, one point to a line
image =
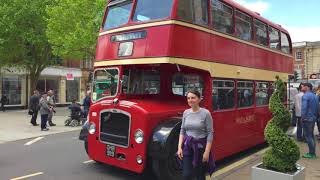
110	150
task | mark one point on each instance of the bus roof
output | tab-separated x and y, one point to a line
255	15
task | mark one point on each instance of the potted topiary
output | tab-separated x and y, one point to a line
279	162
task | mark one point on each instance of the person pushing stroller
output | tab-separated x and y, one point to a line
75	116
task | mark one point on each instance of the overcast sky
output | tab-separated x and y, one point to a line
300	18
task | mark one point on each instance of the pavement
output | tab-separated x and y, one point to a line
241	170
15	125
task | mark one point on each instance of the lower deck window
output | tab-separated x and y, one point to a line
182	83
140	81
262	97
245	94
223	96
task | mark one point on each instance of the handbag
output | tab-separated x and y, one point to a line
30	112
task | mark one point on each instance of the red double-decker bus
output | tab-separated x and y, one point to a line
151	52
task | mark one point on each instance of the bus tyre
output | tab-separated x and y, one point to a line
168	167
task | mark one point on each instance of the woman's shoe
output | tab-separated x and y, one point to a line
45	129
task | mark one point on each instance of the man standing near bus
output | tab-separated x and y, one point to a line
309	115
297	111
51	103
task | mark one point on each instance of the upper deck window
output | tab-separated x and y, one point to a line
285	45
274	38
261	33
195	11
118	14
243	26
152	9
222	19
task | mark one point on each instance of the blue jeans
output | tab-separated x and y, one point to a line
44	119
300	134
189	172
308	128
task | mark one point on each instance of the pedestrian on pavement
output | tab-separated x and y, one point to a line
52	105
195	140
44	111
297	109
34	107
86	104
318	120
4	100
309	115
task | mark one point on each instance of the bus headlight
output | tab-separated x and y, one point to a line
139	160
138	136
92	128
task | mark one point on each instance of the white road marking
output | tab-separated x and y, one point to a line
27	176
89	161
33	141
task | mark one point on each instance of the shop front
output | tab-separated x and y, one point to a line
13	86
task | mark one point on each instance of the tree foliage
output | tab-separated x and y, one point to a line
73	27
284	153
23	40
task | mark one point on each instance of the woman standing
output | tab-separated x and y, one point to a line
44	111
195	140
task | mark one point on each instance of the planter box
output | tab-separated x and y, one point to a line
259	173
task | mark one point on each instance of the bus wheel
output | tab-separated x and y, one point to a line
168	168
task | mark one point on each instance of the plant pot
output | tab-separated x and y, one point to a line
260	173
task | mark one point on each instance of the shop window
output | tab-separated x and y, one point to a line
141	82
285	44
245	93
274	38
261	33
150	9
222	17
11	88
72	90
243	26
182	83
46	84
223	96
262	96
194	11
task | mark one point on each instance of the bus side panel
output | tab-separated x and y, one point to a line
191	43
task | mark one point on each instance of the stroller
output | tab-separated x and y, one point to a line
76	117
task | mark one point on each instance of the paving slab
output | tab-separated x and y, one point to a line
243	172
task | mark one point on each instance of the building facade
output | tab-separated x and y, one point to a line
69	80
307	59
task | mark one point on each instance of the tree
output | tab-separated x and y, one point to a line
73	27
284	153
23	41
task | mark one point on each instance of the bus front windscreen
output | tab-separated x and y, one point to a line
105	83
152	9
118	14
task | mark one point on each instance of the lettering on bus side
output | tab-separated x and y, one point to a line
246	119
